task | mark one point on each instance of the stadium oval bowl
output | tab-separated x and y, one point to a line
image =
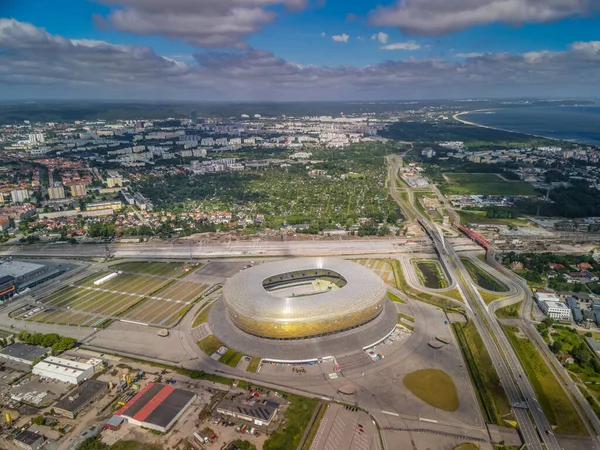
303	297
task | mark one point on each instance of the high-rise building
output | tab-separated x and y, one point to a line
19	195
57	192
114	181
36	138
78	190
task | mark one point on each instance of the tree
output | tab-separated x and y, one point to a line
556	347
39	420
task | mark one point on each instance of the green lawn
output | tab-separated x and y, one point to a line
202	316
395	298
434	387
297	418
467	216
509	312
553	399
492	398
231	358
405	316
484	184
482	278
253	366
209	344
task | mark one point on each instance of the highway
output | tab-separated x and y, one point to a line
521	394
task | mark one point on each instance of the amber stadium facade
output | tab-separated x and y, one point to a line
303	298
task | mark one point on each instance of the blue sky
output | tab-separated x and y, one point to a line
290	39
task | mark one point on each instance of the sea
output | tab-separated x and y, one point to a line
570	123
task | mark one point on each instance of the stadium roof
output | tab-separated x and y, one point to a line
244	292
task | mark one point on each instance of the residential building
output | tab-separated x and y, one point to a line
79	190
19	195
57	192
37	138
114	181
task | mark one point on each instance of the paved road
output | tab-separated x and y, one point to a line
509	368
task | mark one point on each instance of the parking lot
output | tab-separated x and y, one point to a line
345	428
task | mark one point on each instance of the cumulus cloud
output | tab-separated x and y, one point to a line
341	37
323	34
381	37
32	60
206	23
469	55
435	17
409	45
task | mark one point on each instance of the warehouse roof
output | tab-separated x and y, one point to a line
28	437
259	410
81	395
24	351
62	366
18	268
157	404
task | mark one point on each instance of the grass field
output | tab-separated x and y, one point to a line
381	267
164	269
395	298
297	418
482	278
490	394
254	363
202	316
552	398
427	298
430	273
405	316
467	217
467	446
434	387
315	427
231	358
209	344
509	312
484	184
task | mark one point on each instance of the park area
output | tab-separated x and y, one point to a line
149	293
484	184
553	399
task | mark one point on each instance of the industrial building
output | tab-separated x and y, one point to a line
157	407
555	310
73	402
21	271
259	412
64	370
29	440
8	286
23	353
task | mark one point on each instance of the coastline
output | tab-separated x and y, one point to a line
466	122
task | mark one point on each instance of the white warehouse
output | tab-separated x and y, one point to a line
63	370
555	310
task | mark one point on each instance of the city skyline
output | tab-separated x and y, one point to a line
298	49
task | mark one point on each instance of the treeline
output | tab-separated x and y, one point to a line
56	342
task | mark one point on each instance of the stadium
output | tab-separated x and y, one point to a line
303	298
